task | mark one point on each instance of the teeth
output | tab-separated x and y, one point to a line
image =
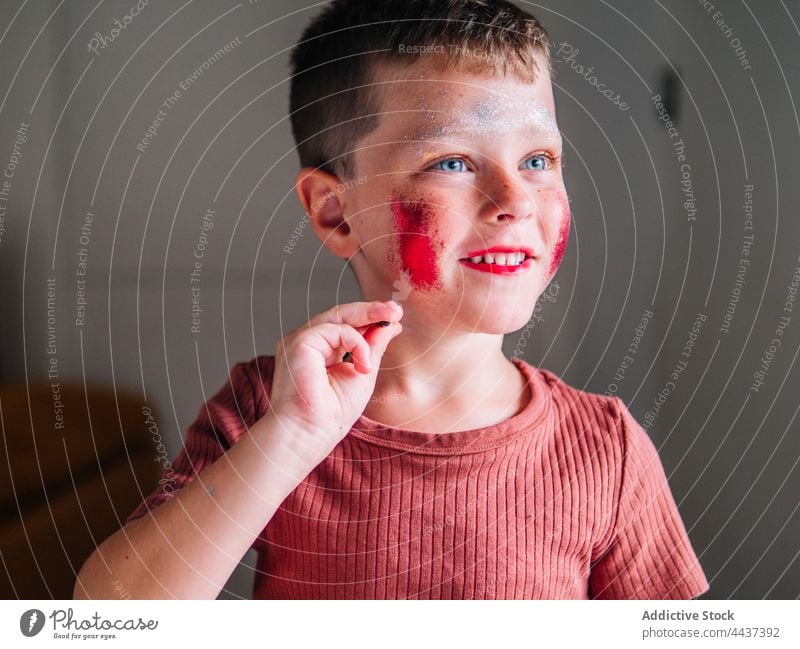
501	259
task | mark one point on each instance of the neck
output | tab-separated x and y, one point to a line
430	374
439	361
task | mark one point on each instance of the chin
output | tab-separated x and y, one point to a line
499	322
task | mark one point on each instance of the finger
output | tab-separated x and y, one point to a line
379	323
328	339
379	338
359	314
348	357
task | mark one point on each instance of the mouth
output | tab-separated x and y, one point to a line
500	260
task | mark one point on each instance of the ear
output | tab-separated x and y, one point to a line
323	199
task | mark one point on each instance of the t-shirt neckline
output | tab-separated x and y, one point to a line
466	441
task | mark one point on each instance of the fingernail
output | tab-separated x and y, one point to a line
391	303
383	323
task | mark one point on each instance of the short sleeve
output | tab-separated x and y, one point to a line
650	555
221	420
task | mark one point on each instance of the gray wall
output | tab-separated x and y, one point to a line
730	452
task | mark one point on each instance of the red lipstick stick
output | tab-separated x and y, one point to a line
348	357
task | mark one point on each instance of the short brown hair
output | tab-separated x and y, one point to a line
332	104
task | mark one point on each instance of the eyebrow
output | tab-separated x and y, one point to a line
427	133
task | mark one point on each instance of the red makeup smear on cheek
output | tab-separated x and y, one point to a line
563	236
417	242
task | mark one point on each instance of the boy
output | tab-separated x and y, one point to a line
486	478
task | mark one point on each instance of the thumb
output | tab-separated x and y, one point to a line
378	339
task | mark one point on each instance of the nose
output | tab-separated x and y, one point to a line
506	198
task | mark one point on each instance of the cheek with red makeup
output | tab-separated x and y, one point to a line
418	243
563	235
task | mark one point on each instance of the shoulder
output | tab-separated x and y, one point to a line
247	378
255	376
602	422
259	368
238	403
563	391
592	416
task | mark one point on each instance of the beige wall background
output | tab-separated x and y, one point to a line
225	145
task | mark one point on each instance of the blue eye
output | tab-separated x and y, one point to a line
448	162
542	158
541	163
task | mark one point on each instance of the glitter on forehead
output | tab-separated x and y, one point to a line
497	114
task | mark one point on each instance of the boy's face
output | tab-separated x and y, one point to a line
460	164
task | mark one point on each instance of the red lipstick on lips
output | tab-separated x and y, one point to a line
497	269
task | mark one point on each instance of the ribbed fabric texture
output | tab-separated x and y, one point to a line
566	500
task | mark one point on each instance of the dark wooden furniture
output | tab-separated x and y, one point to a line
63	490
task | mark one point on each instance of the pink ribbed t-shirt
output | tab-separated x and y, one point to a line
565	500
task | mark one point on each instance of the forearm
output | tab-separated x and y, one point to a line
190	545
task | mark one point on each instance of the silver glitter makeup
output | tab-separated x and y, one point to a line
497	114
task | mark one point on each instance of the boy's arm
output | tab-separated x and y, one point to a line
196	533
235	471
650	555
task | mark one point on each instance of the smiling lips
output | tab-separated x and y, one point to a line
500	260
